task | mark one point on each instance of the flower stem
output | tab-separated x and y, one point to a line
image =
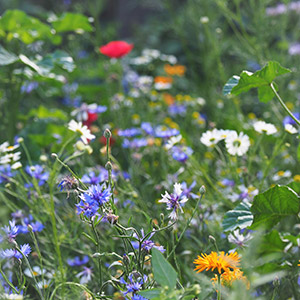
283	104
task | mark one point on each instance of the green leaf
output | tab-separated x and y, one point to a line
271	206
7	58
295	186
16	24
298	152
72	22
164	273
240	217
24	59
150	294
272	242
230	84
44	113
260	79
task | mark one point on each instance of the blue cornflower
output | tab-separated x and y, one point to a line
289	120
138	297
11	231
99	193
75	262
176	109
87	206
38	173
91	178
147	244
36	226
165	133
134	285
5	173
187	191
85	275
147	127
180	153
10	253
129	132
135	143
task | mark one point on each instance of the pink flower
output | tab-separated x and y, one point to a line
116	49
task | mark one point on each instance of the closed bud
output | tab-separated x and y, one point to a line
211	238
108	166
107	133
202	190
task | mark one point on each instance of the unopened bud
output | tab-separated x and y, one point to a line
29	227
276	282
20	140
108	166
211	238
162	217
202	190
107	133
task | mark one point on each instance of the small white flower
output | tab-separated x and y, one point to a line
172	141
263	127
16	165
211	137
162	85
237	144
290	129
151	52
82	129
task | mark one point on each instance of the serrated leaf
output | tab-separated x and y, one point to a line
150	294
7	58
164	273
230	84
240	217
271	206
260	79
72	22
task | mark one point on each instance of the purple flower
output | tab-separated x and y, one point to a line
135	143
75	262
181	153
187	191
5	173
11	231
134	285
166	132
129	132
85	275
147	244
147	127
91	178
10	253
176	109
289	120
38	173
138	297
174	201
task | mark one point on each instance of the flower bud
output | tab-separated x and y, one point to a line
107	133
108	166
202	190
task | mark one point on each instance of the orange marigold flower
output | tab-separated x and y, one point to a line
163	79
178	70
228	277
220	261
299	263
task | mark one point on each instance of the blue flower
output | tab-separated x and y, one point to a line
87	206
138	297
176	109
147	127
85	275
180	153
99	193
38	173
135	143
91	178
134	285
187	191
11	231
147	244
129	132
165	133
6	173
36	226
289	120
75	262
10	253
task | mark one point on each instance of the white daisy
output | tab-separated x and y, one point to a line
82	129
263	127
172	141
237	144
211	137
290	129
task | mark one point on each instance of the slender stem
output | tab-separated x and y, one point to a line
283	104
186	226
98	250
219	287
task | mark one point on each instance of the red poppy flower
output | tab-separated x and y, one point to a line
116	49
92	117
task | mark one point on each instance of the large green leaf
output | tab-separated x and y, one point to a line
295	186
72	22
44	113
17	24
240	217
260	79
150	294
271	243
271	206
7	58
164	273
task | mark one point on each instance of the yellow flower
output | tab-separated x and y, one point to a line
178	70
220	261
297	178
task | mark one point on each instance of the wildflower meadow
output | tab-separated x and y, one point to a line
149	150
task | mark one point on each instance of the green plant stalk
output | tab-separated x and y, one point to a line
219	287
98	250
8	282
186	226
283	104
